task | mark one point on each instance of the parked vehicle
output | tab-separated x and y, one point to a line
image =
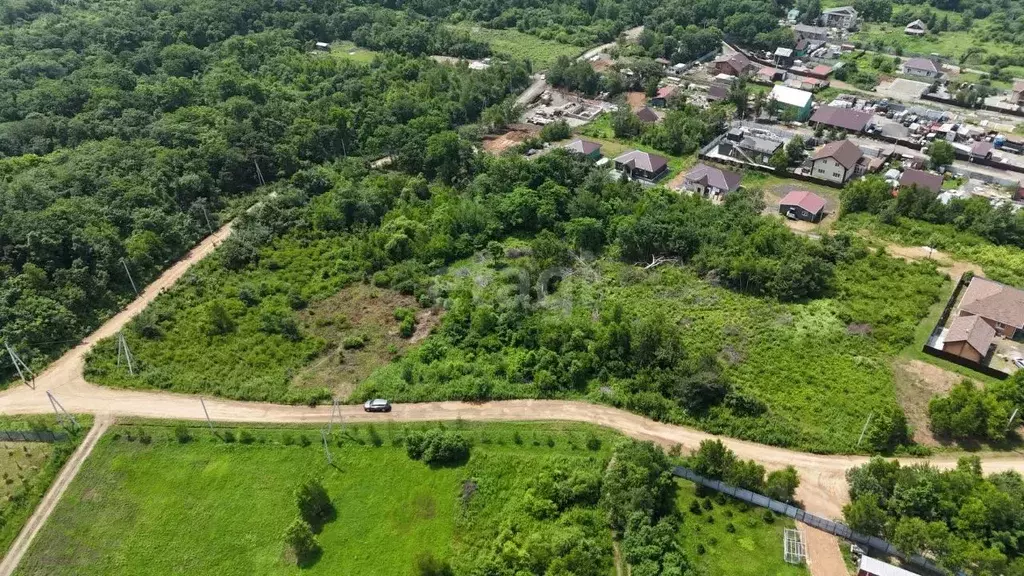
377	405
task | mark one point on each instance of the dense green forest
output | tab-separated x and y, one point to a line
962	519
128	129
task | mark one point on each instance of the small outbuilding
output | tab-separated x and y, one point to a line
969	337
647	115
802	205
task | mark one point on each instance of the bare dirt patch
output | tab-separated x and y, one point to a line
947	264
917	383
359	312
496	144
636	100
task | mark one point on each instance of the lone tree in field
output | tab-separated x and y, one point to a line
314	504
302	542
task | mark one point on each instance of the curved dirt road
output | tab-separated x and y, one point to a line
822	487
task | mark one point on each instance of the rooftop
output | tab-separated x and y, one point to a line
581	146
994	301
879	568
807	200
643	160
973	330
922	179
784	52
716	177
844	152
981	149
645	114
666	91
845	118
922	64
791	96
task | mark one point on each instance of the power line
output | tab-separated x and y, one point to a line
122	346
21	367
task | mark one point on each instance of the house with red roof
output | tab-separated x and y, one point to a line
802	205
662	96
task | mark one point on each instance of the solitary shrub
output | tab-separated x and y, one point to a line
302	542
354	342
729	527
550	442
304	440
246	437
144	436
428	565
228	436
182	434
437	446
700	549
517	438
593	442
407	321
314	504
707	504
695	507
768	517
287	439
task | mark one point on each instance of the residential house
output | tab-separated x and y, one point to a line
999	305
768	75
661	98
843	118
322	46
783	57
802	205
820	71
718	91
585	147
647	115
1016	95
981	151
835	161
921	179
749	148
844	17
710	182
969	337
639	165
803	31
869	566
791	101
916	28
792	15
734	64
922	67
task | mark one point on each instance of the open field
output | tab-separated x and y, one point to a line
346	50
210	507
951	44
26	471
753	548
517	44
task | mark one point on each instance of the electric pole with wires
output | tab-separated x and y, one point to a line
28	377
122	349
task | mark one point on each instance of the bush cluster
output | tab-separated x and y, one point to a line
438	446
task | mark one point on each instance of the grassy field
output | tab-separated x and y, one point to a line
210	507
600	130
753	548
26	471
345	50
515	44
951	44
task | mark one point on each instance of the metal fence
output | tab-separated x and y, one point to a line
31	436
800	515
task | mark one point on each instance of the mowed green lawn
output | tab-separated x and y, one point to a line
209	507
516	44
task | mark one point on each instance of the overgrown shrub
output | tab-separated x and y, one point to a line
301	541
437	447
182	434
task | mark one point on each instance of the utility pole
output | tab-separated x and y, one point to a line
335	409
125	264
63	416
865	429
259	173
122	346
207	216
1009	423
327	450
208	421
21	367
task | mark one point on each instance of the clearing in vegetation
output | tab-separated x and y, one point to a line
28	468
529	495
511	43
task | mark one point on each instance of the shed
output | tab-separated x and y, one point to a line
802	205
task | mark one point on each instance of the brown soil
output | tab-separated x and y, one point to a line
947	264
496	144
917	383
365	311
637	100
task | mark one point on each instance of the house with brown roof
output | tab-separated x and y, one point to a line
924	67
647	115
662	96
969	337
835	161
640	165
802	205
843	118
711	182
921	179
999	305
734	64
584	147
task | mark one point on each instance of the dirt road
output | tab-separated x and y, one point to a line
50	499
822	487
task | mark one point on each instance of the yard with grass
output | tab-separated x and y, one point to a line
726	536
600	131
27	469
146	502
346	50
515	44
